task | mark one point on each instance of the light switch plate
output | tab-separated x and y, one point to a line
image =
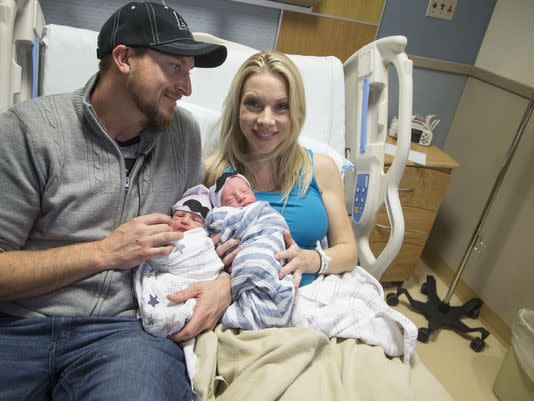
442	9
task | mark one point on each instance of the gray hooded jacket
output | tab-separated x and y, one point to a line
63	181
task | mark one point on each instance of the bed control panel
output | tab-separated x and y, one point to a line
360	196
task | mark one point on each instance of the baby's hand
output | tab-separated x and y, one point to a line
227	250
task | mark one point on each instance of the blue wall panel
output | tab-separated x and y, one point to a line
457	40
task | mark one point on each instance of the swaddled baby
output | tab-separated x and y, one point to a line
261	298
347	306
192	259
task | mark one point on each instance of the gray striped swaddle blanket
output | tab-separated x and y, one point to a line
260	298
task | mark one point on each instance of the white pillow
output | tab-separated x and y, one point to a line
207	120
321	147
68	58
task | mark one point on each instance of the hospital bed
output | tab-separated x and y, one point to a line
346	119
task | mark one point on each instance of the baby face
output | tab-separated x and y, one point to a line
184	221
237	193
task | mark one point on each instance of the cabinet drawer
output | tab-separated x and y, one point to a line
417	225
403	265
423	187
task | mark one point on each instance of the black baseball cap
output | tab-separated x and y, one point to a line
159	27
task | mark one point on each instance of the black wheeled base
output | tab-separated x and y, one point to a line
441	315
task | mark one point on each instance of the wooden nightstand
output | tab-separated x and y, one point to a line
421	191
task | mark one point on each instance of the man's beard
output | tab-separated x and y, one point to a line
157	121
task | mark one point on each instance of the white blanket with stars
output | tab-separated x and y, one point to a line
193	259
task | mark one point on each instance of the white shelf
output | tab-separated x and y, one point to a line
301	6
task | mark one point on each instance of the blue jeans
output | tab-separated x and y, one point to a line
88	358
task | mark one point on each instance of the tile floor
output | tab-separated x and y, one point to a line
466	374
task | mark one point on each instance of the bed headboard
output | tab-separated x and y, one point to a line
323	84
69	59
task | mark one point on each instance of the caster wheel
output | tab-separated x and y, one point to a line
392	299
484	333
474	313
423	334
477	344
424	288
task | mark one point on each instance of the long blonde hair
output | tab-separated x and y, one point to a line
293	164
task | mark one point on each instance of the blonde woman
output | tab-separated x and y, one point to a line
262	118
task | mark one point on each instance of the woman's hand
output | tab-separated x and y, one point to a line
222	247
298	260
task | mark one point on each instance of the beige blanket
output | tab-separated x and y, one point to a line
297	364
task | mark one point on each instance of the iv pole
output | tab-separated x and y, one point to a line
439	313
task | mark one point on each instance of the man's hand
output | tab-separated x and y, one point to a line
213	297
137	240
31	273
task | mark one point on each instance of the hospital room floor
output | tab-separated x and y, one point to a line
465	374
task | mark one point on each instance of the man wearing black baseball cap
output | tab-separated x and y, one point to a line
158	27
153	51
88	180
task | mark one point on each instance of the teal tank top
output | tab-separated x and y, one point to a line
306	216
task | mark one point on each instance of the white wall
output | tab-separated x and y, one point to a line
486	121
508	47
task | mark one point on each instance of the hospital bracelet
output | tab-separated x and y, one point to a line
325	259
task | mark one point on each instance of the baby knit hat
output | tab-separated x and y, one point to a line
217	188
196	200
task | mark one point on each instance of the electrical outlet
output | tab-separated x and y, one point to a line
480	246
442	9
